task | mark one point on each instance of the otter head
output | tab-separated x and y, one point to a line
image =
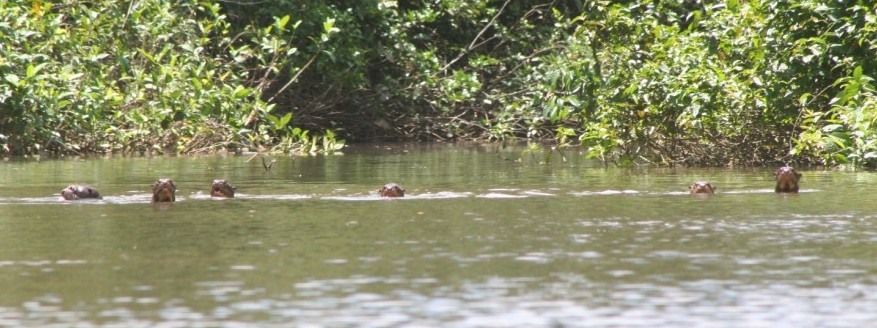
164	190
74	192
391	190
787	179
702	187
221	188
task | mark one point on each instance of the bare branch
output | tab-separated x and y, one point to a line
472	45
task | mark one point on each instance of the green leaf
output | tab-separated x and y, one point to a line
328	25
241	92
97	58
285	120
147	55
857	73
804	97
274	119
12	79
832	128
281	23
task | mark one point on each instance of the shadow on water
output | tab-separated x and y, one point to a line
485	237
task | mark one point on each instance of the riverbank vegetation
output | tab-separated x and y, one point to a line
667	82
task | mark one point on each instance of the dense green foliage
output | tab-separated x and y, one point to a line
140	77
670	82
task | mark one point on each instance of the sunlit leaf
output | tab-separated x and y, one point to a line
147	55
328	25
281	23
241	92
285	120
832	127
12	79
97	58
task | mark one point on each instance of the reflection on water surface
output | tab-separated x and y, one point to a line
483	238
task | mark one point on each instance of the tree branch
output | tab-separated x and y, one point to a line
472	45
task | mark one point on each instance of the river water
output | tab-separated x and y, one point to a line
485	237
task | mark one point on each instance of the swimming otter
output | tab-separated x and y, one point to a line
164	190
787	179
74	192
702	187
222	188
392	190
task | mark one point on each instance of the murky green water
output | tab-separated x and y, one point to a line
483	239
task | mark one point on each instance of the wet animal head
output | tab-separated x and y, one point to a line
221	188
74	192
702	187
787	179
164	190
392	190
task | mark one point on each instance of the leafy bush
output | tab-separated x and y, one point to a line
136	77
669	81
838	54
